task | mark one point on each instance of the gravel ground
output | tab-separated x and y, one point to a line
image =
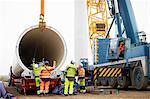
121	94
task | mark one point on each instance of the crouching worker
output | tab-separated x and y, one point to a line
46	71
81	75
70	72
36	70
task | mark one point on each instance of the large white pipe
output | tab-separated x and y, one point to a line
34	43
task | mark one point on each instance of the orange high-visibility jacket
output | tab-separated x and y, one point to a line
46	71
121	48
81	72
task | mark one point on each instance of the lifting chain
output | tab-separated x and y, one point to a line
42	23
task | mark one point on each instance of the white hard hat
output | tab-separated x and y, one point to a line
72	62
36	65
81	64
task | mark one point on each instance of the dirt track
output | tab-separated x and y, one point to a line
121	94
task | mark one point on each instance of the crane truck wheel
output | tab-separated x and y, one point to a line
104	81
138	78
112	82
98	82
123	82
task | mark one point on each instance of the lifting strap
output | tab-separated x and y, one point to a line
42	8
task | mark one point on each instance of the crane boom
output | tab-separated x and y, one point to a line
129	21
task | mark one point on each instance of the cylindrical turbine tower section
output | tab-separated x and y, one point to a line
38	44
81	31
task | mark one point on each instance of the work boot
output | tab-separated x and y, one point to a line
41	94
84	91
65	94
46	92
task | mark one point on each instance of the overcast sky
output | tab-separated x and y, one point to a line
142	14
18	15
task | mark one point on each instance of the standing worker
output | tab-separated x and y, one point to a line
81	75
45	77
36	69
70	72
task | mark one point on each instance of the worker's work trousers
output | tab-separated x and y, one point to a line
68	85
82	84
37	82
44	85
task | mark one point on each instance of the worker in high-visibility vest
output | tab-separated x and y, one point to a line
37	70
81	78
46	71
70	72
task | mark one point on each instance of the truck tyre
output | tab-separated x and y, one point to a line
123	82
112	82
104	81
138	78
98	82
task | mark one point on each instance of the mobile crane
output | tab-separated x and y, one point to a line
125	60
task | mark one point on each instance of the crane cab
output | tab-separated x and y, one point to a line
117	48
